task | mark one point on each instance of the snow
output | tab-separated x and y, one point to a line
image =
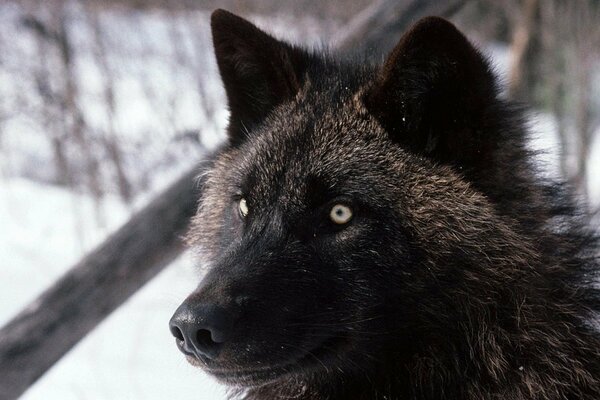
594	173
44	230
543	138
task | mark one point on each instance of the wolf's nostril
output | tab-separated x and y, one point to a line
203	337
204	343
175	331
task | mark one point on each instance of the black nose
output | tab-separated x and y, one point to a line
201	330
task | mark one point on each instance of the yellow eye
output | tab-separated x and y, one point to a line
340	214
243	207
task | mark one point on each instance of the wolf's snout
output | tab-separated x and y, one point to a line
201	330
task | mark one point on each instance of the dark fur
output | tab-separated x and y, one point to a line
462	275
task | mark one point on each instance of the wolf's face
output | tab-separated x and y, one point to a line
300	224
315	220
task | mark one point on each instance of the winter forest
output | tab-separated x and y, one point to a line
106	104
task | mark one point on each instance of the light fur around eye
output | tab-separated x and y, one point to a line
340	214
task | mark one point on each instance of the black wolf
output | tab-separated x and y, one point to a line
380	232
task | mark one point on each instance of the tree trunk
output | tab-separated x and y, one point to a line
524	53
110	137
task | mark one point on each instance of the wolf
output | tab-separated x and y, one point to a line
381	232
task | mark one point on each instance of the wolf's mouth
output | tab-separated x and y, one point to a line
316	357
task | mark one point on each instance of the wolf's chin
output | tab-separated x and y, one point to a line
319	357
250	379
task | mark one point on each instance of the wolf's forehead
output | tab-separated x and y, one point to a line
311	151
284	165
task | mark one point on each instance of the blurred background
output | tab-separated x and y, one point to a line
105	103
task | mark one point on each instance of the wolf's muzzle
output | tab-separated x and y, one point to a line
201	330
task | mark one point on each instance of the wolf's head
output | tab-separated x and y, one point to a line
341	223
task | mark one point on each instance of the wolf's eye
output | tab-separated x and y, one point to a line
340	214
243	207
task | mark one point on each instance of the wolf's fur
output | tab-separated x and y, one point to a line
462	275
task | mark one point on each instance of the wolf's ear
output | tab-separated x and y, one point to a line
433	92
258	71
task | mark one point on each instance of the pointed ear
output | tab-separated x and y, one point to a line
433	92
258	71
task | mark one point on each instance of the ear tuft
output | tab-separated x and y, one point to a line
432	92
258	71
